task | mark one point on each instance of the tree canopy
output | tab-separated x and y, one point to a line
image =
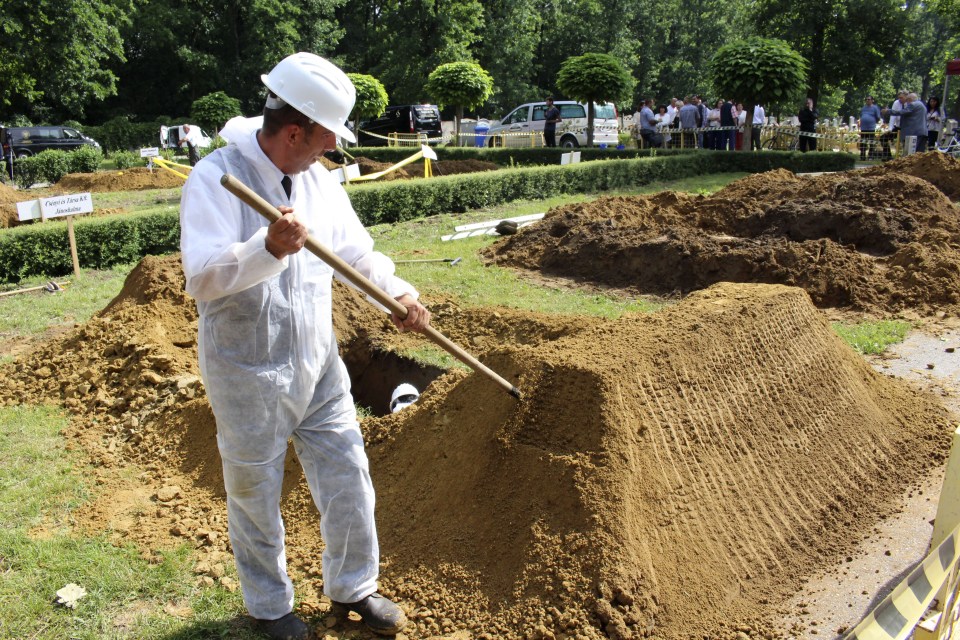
594	77
459	84
151	59
372	99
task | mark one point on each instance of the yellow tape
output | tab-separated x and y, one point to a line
898	614
167	166
378	174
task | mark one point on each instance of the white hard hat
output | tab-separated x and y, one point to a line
403	396
315	87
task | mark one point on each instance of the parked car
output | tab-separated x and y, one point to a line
421	119
28	141
571	131
170	137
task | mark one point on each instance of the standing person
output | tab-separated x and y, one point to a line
648	125
711	137
897	106
808	124
728	121
913	121
689	122
741	125
551	117
664	121
268	355
190	138
759	120
935	117
869	119
704	114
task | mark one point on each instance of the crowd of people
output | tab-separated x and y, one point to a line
694	123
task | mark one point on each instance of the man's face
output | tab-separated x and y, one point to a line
869	101
310	145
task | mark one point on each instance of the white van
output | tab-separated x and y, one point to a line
170	137
571	131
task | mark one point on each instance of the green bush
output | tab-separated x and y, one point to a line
125	159
43	249
101	243
85	159
54	164
26	172
215	144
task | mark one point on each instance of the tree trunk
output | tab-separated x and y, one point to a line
459	117
590	123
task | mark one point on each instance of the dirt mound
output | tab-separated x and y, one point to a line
939	169
133	179
368	166
670	475
885	241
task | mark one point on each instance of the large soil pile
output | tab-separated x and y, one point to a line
670	475
880	240
133	179
939	169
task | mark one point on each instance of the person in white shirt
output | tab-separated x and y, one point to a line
759	119
268	355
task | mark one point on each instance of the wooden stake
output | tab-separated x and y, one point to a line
73	247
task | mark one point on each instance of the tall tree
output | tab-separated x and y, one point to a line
845	41
54	55
372	99
404	40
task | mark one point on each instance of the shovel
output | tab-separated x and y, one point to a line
360	281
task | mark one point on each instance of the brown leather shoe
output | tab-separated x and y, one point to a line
289	627
379	614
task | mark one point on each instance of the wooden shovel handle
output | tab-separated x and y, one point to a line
360	281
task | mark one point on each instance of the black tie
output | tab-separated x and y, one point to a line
287	185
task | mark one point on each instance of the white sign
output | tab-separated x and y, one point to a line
69	205
353	171
149	152
570	158
428	152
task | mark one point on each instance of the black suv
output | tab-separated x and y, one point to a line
27	141
423	119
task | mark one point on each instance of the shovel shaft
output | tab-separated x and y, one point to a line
360	281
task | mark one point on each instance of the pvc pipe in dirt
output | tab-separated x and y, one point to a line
360	281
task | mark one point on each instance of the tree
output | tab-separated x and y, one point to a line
459	84
757	71
54	55
214	109
844	41
372	99
594	77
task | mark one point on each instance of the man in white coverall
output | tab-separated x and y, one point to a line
267	351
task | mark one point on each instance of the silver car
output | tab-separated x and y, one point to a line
523	127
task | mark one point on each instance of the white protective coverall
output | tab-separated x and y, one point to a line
270	365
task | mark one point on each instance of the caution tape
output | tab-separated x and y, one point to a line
901	611
168	166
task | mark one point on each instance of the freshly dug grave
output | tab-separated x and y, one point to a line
884	241
672	475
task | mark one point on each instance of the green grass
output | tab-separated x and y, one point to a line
40	484
871	338
32	312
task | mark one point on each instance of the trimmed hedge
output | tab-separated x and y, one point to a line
521	156
102	242
43	249
400	200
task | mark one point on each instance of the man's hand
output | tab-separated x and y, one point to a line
418	318
285	236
